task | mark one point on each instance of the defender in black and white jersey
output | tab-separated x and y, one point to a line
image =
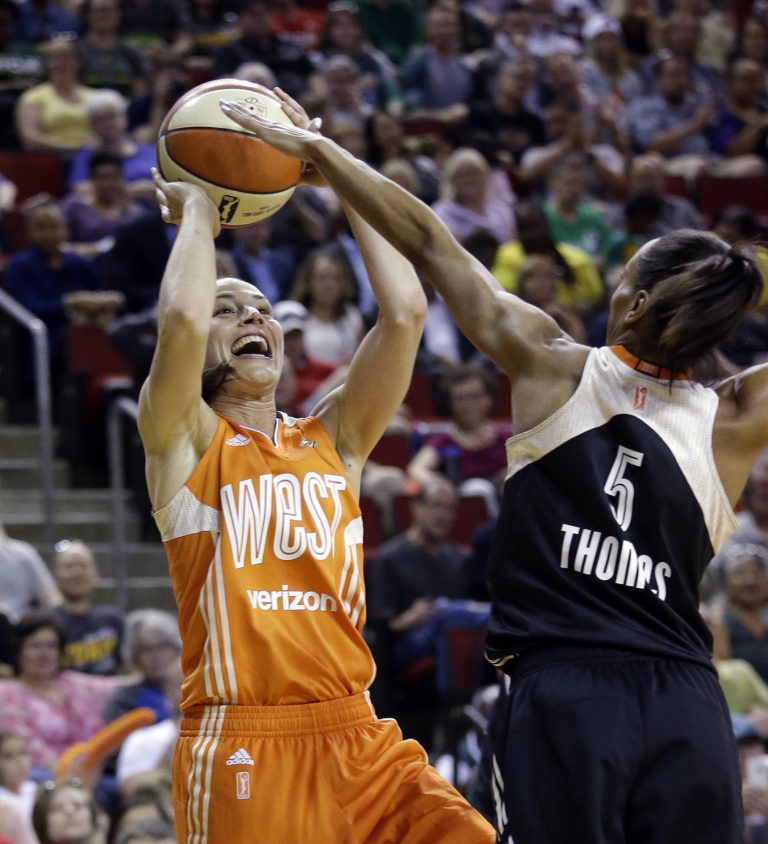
621	485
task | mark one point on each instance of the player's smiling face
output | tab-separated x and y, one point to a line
244	334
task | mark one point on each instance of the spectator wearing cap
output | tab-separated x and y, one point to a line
270	269
312	378
605	70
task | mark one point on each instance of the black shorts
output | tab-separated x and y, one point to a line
606	747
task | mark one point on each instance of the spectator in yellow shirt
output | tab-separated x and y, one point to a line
579	285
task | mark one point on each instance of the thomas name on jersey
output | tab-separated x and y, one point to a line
610	558
304	514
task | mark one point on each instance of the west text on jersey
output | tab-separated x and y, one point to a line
305	514
610	558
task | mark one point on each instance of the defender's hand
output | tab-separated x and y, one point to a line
310	175
292	140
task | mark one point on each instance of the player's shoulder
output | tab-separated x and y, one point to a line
745	388
744	404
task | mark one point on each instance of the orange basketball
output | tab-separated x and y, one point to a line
246	178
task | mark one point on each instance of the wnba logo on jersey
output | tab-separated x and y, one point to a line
243	785
640	398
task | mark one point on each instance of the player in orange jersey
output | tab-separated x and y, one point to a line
260	519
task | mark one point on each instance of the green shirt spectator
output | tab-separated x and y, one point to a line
585	227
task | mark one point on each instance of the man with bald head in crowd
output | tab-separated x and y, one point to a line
93	633
646	174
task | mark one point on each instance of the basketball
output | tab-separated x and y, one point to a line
247	179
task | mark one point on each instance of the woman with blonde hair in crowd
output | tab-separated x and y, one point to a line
334	326
467	201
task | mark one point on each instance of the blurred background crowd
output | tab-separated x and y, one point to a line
553	138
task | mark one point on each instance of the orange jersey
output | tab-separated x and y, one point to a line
264	545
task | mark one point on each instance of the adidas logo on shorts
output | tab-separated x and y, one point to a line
238	439
240	757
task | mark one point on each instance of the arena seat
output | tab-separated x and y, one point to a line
392	450
34	173
420	398
96	373
502	407
373	532
676	185
715	193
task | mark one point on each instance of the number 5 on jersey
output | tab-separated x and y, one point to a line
617	485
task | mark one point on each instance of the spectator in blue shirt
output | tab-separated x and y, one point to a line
673	121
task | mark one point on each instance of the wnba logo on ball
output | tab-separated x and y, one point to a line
243	785
228	207
254	104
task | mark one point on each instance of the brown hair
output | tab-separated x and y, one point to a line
701	287
464	372
45	793
301	291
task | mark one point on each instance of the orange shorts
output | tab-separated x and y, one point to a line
317	773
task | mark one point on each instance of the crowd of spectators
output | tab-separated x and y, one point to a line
553	138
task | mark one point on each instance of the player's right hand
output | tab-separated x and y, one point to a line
293	140
174	198
310	175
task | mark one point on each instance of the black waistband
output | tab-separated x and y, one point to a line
535	658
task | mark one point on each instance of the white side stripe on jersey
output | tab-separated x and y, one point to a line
226	643
219	666
200	773
350	583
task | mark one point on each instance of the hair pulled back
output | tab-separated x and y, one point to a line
701	288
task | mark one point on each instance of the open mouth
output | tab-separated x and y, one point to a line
252	345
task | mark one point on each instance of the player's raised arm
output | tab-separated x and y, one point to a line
173	419
502	326
378	375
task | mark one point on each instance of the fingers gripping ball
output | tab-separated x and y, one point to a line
247	179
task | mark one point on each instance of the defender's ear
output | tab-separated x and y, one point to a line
638	308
